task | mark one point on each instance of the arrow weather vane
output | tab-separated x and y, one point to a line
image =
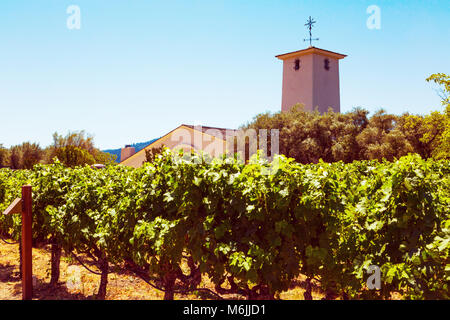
310	24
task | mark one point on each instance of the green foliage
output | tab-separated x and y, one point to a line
104	158
442	150
443	80
256	231
76	139
25	156
151	154
310	136
77	148
73	156
383	139
426	133
4	156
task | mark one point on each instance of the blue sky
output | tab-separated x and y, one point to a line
137	69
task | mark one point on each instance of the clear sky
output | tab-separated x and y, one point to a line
137	69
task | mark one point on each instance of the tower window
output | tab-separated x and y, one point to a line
297	64
327	64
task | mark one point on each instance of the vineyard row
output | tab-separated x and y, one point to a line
251	228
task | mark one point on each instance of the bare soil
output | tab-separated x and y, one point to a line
77	283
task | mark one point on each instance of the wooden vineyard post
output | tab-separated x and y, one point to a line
27	242
25	206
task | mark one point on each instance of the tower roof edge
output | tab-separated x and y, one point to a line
311	50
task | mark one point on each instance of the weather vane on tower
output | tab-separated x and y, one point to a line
310	24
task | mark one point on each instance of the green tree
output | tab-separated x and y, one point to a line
79	139
77	142
442	150
311	136
443	80
430	134
72	156
424	133
26	155
4	156
382	139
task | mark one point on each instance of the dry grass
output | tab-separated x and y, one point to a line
76	283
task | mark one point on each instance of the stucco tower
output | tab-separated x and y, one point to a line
311	77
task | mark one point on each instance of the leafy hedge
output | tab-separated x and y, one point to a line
252	229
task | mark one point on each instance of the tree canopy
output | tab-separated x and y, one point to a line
25	156
311	136
4	156
74	149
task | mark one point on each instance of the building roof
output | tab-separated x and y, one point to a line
217	133
213	130
311	50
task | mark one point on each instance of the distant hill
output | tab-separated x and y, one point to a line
138	146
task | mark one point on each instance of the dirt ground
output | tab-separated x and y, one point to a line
76	283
